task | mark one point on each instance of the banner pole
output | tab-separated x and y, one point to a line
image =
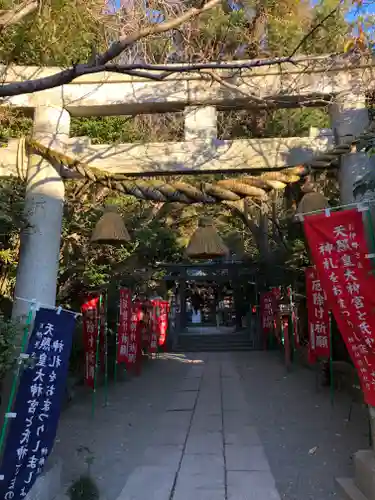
370	230
332	385
105	349
291	325
96	357
15	378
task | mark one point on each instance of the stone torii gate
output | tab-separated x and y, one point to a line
340	83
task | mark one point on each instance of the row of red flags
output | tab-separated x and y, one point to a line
136	330
341	282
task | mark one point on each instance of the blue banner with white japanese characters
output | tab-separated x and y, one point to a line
37	407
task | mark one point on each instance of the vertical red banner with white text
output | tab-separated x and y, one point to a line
123	335
267	312
318	316
163	322
135	333
155	326
339	250
90	316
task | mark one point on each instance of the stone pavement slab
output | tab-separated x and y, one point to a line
204	442
175	419
242	435
242	457
168	436
199	464
206	423
149	482
165	455
251	485
182	401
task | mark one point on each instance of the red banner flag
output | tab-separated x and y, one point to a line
339	250
155	326
163	321
123	335
267	311
159	323
90	337
135	333
318	316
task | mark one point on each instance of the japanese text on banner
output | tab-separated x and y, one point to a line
339	250
90	316
268	310
164	310
135	333
155	326
318	315
124	327
38	403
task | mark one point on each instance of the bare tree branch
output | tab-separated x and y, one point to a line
100	62
154	71
157	72
14	16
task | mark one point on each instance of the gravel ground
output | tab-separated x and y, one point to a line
307	441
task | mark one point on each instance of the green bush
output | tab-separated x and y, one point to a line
84	489
9	331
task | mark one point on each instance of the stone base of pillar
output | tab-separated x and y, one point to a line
362	487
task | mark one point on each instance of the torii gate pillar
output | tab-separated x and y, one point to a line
44	202
350	118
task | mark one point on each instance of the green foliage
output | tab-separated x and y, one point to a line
107	129
332	34
292	21
59	33
9	331
84	488
13	123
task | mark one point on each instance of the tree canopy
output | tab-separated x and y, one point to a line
67	33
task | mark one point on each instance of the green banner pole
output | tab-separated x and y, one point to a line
13	390
370	231
105	349
290	324
96	357
332	385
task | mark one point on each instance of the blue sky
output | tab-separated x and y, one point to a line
368	8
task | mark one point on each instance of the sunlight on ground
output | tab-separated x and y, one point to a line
182	358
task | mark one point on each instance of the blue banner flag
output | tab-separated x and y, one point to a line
37	407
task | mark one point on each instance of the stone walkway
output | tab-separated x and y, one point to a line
218	426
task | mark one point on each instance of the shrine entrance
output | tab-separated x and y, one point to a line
224	292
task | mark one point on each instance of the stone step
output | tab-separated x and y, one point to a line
348	490
213	343
364	463
213	349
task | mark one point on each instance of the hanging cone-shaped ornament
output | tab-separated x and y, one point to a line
110	228
205	242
